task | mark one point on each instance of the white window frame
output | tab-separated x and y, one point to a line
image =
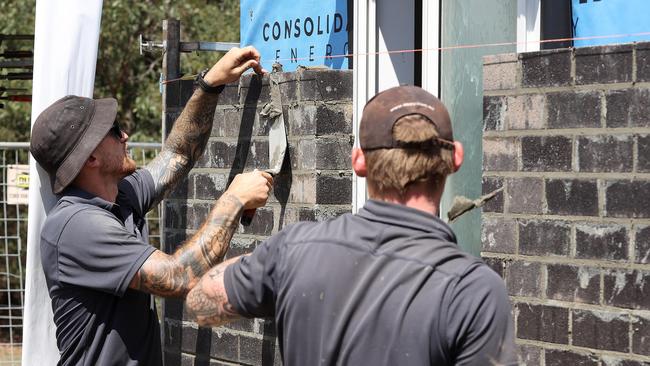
374	70
529	14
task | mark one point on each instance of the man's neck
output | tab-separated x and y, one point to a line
418	197
103	188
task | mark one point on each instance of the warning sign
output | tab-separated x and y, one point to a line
17	184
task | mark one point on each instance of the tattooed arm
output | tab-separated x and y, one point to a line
208	303
174	275
189	136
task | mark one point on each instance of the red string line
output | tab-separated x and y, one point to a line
448	48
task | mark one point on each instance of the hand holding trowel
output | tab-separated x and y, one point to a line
272	112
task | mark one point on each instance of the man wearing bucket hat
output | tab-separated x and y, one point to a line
387	286
100	269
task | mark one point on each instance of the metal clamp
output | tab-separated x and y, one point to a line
147	45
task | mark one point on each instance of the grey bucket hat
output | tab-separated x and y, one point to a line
67	132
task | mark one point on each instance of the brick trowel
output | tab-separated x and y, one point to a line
272	112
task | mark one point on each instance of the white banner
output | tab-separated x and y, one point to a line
65	55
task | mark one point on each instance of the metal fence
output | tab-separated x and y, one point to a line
13	243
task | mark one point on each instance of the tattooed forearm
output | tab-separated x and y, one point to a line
208	303
174	275
185	143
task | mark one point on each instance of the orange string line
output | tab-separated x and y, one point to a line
440	49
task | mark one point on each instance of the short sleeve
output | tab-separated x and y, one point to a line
96	251
252	282
138	190
480	329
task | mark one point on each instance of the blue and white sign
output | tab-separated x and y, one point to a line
297	32
594	18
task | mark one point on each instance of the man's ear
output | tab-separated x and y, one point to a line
359	162
92	161
459	155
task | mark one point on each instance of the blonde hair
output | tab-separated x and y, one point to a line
395	169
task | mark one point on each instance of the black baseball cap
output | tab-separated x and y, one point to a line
67	132
384	109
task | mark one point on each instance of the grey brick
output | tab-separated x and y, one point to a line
209	186
499	154
251	350
225	346
172	336
333	153
601	330
525	195
175	215
546	68
542	323
641	336
603	64
325	85
643	164
288	82
546	153
498	235
627	199
627	289
526	112
491	184
302	119
333	119
628	108
572	283
572	197
605	153
642	245
240	246
538	237
494	110
529	355
524	279
498	265
196	214
564	358
500	71
240	154
230	94
643	61
572	109
262	223
333	189
241	123
609	242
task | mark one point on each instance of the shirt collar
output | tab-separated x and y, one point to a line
77	195
400	215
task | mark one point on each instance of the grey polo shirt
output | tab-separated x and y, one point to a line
388	286
90	251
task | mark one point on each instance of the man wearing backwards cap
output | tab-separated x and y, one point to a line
387	286
100	269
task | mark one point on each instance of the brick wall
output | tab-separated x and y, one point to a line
315	183
567	133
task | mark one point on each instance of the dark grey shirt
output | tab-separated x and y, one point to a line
90	251
388	286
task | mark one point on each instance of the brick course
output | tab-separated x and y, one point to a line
570	235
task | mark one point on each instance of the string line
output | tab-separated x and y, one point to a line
441	49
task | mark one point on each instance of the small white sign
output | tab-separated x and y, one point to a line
17	184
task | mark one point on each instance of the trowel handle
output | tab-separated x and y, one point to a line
247	216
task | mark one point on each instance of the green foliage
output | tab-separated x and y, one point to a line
121	72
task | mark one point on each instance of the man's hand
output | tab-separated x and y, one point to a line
230	67
252	188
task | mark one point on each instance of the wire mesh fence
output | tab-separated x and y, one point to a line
14	157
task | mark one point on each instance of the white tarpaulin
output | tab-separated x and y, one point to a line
65	55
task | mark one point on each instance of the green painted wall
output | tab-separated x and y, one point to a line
470	22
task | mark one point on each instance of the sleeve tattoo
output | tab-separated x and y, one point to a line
185	143
174	275
208	303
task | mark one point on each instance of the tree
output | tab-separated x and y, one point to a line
121	72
